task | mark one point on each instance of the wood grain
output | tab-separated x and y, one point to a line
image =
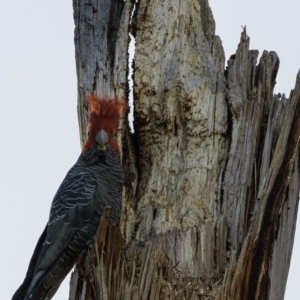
212	175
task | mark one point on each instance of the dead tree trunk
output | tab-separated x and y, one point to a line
212	173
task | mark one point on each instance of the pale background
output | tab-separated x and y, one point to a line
38	118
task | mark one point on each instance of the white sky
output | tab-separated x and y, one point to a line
38	118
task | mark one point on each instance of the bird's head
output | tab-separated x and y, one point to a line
104	117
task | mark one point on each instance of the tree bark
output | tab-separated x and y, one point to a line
212	173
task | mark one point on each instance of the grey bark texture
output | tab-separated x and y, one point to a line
212	170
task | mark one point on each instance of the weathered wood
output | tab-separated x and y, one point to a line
251	276
212	179
97	275
284	236
180	125
101	54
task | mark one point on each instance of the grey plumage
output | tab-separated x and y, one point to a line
94	182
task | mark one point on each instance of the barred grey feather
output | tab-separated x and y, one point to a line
93	183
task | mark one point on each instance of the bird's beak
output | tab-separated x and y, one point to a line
101	139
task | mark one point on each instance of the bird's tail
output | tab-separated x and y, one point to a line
22	290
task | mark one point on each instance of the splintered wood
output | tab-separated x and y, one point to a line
211	170
105	273
96	276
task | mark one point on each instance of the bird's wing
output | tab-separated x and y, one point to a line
68	231
72	210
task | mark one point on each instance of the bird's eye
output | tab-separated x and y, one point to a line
116	134
89	134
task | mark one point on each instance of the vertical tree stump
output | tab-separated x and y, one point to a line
212	173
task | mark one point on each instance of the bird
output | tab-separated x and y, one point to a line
93	183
